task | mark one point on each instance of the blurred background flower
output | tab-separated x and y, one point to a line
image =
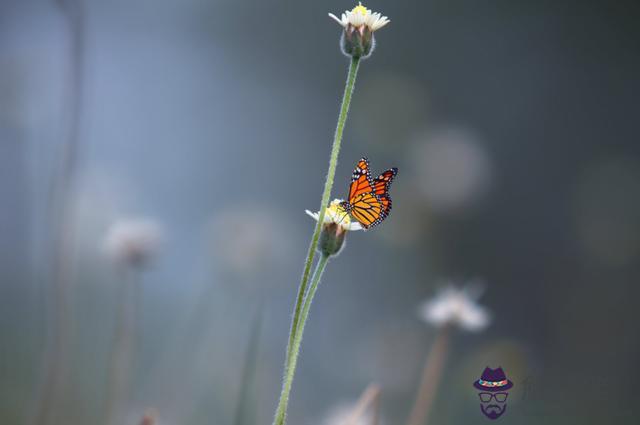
149	418
341	414
454	306
365	411
453	169
133	242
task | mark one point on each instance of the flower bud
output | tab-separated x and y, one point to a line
335	227
357	42
331	239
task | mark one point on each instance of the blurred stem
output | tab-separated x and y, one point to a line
122	348
326	194
431	374
245	410
370	398
290	368
57	332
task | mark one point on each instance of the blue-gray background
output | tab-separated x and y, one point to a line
514	125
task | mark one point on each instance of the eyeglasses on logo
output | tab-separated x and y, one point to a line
493	386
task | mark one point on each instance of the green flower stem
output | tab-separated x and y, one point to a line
290	370
293	345
333	162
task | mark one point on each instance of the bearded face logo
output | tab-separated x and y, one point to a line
493	404
492	390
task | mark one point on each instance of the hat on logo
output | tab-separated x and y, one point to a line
493	380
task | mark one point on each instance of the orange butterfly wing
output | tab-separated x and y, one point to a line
369	201
382	183
368	209
385	200
360	180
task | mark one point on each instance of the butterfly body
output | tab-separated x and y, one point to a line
369	201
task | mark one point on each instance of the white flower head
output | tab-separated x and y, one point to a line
336	225
359	24
456	306
133	242
359	17
335	214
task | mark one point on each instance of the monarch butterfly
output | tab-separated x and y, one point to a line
369	201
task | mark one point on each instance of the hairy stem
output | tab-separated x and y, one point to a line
290	370
326	194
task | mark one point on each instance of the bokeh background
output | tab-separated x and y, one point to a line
513	124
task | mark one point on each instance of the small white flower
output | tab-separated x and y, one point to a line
335	214
359	16
456	306
133	242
